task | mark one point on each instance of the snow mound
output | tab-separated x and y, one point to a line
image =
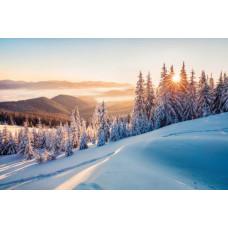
187	155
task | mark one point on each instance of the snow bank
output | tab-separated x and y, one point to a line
187	155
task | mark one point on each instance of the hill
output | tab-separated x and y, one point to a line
59	106
188	155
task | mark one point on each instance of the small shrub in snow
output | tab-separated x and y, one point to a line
39	157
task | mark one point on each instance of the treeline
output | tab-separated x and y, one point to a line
174	101
15	118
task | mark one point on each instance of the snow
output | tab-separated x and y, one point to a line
187	155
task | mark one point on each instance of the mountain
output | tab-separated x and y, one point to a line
9	84
69	102
60	106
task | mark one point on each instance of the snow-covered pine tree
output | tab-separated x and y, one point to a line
218	92
183	82
12	147
83	142
68	148
190	99
224	98
124	127
25	147
40	136
120	128
149	97
101	136
211	82
114	136
74	134
29	151
76	124
100	122
204	98
169	109
1	144
139	107
5	140
150	123
128	131
134	125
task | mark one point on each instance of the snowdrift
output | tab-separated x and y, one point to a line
187	155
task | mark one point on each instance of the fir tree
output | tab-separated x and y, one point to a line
149	97
101	137
204	99
25	147
217	104
12	147
190	99
83	142
114	136
211	82
5	140
68	148
169	109
224	97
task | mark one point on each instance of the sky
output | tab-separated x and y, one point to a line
114	60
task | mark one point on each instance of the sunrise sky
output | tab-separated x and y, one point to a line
118	60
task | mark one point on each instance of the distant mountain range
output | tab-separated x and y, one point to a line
62	106
9	84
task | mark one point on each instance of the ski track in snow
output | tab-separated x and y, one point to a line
223	130
46	175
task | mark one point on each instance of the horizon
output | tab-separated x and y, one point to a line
108	60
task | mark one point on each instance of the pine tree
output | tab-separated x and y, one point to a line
68	148
183	82
190	99
224	97
211	82
217	104
101	136
5	140
120	129
114	136
12	148
83	141
1	144
169	109
204	99
100	122
128	131
149	97
25	147
134	125
124	127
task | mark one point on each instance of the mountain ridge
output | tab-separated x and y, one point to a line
55	84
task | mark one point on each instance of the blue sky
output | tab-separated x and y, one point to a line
118	60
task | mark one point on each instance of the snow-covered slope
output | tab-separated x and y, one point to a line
187	155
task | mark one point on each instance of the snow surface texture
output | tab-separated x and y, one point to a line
188	155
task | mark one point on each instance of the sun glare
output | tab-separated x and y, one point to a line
176	78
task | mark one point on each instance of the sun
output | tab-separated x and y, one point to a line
176	78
